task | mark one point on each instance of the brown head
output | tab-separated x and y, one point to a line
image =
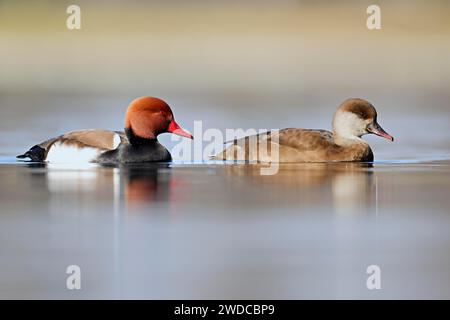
355	118
147	117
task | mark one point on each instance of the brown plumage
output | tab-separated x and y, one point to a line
96	138
353	119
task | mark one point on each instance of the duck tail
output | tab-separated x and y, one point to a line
36	153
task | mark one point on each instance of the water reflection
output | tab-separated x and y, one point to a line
144	184
132	186
158	231
348	187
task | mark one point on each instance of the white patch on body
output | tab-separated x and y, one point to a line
63	153
348	125
116	140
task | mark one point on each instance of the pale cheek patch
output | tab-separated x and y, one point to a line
62	153
348	124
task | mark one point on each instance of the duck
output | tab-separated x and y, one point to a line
353	118
145	119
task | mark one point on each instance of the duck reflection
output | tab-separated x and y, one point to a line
347	187
354	189
145	184
342	188
88	187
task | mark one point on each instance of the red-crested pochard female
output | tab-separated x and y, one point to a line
145	119
353	119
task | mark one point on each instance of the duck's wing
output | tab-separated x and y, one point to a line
289	145
305	139
95	140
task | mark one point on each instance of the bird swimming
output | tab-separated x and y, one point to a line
354	118
145	119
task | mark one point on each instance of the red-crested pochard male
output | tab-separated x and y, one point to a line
353	119
145	119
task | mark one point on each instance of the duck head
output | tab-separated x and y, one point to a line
147	117
355	118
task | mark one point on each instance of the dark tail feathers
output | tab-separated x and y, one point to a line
36	153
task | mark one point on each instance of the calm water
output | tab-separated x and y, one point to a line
225	231
209	230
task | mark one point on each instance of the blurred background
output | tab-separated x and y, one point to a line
250	64
224	231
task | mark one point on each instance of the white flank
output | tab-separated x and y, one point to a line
63	153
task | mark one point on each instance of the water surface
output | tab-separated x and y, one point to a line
224	231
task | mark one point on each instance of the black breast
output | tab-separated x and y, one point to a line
150	151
